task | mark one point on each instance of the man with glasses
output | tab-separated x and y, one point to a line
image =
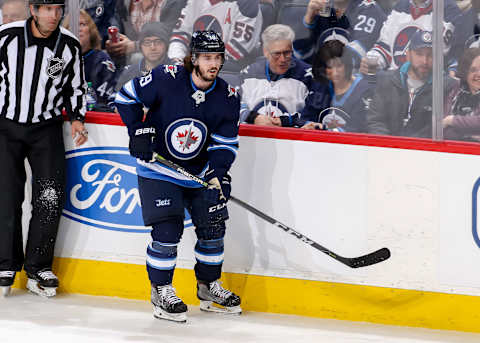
278	89
153	45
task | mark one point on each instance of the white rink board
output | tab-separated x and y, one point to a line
351	199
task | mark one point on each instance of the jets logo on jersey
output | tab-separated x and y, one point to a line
232	91
185	138
270	107
402	43
110	66
206	23
55	67
171	69
334	119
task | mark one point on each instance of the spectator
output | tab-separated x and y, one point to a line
134	14
350	95
362	19
278	86
406	18
462	104
99	68
471	22
153	39
238	22
14	10
103	13
402	103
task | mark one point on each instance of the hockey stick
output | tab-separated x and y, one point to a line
353	262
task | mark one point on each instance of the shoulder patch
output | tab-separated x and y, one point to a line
308	72
232	91
170	69
367	3
110	65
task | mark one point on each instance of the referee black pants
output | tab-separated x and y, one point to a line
42	145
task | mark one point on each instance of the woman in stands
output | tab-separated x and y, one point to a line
350	94
462	104
99	67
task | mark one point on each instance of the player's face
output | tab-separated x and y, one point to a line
279	56
473	76
48	17
421	62
84	34
335	70
153	49
13	11
208	65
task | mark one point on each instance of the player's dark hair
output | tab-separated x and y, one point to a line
465	64
330	50
188	64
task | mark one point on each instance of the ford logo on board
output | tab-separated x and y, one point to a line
102	189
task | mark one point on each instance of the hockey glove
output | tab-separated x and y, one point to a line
226	185
141	142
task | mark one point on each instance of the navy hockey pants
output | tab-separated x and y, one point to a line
42	145
163	205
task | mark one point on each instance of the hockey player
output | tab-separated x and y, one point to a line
350	94
42	73
193	121
362	19
278	89
408	17
238	22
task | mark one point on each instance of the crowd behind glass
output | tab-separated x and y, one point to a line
339	65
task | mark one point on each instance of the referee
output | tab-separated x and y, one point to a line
41	73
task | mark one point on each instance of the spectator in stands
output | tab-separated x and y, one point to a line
362	19
134	14
402	103
471	21
153	39
350	95
407	17
99	68
278	90
103	13
14	10
462	104
238	22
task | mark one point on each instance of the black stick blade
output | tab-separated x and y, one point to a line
369	259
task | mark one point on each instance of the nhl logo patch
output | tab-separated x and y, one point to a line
55	67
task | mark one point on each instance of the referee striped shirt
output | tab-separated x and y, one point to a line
40	77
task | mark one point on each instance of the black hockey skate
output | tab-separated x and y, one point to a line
6	281
166	304
43	283
214	298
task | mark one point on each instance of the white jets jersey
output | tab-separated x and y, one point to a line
404	20
238	23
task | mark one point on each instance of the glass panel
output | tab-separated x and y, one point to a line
462	107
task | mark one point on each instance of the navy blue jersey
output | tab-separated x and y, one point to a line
101	72
195	129
348	112
362	20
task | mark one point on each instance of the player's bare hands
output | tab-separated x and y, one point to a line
79	133
123	47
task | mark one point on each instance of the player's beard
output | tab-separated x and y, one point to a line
205	76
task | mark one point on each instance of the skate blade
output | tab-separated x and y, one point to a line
46	292
159	313
210	306
5	291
